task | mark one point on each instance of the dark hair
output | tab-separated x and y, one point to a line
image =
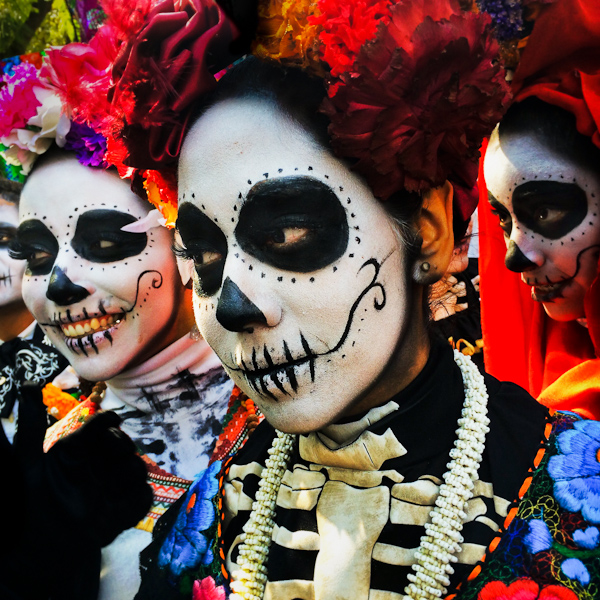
10	190
554	127
299	96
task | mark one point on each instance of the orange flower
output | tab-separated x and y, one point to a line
162	192
59	403
286	34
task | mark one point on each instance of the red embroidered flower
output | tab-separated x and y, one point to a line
426	94
524	589
207	590
162	72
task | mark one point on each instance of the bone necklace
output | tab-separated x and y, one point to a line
442	539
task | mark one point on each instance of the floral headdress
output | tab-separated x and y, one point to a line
62	97
412	87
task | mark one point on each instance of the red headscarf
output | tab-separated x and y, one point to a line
558	362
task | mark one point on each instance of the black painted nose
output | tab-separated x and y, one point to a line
62	291
235	311
516	261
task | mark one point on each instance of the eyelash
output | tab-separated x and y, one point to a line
18	252
181	252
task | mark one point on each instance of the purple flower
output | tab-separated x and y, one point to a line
88	145
507	16
576	470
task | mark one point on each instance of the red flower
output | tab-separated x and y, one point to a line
524	589
426	94
163	71
346	26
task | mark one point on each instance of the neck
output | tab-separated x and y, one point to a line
412	352
14	318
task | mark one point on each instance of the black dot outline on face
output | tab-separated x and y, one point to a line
567	198
275	205
97	226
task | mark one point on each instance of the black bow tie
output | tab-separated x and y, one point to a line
22	360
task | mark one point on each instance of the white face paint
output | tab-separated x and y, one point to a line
11	270
548	210
107	299
299	277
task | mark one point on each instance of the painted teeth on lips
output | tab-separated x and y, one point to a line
94	325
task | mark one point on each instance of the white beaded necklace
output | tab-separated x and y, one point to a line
442	539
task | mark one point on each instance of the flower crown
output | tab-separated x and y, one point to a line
412	87
61	96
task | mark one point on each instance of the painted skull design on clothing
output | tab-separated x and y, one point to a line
11	270
107	298
299	276
548	210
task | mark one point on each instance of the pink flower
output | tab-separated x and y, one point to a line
18	102
207	590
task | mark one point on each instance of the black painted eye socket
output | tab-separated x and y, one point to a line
502	213
98	236
293	223
550	208
205	244
7	234
36	244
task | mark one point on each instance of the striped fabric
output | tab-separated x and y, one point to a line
354	501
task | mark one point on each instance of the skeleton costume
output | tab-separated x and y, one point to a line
300	286
556	360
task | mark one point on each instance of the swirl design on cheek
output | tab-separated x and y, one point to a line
260	368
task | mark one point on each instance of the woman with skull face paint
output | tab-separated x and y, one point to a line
102	281
312	292
543	184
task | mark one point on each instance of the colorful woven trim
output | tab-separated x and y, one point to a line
83	412
241	419
167	489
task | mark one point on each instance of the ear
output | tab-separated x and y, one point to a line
434	225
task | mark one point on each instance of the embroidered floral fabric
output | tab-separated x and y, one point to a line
551	548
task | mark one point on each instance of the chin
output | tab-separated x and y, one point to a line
563	312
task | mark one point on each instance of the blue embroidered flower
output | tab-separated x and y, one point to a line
587	538
186	547
539	538
573	568
576	470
